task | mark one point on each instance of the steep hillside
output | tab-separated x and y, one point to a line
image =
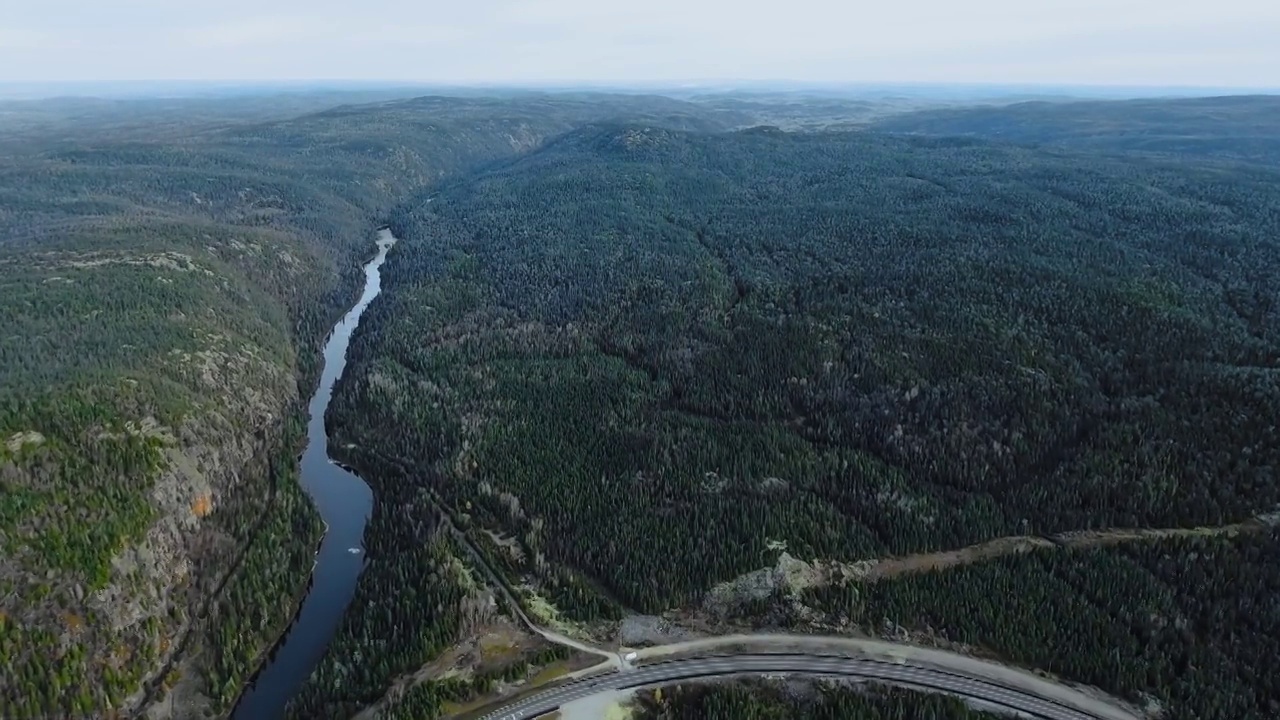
163	304
641	362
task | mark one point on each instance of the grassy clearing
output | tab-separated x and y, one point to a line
548	615
549	673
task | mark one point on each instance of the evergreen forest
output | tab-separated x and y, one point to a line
637	361
629	351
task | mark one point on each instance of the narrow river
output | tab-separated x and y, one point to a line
345	502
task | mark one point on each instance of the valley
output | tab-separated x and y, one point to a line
626	371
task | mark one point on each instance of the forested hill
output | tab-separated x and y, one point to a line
1238	127
162	299
998	339
643	362
636	356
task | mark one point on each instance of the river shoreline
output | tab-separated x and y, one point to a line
344	503
154	689
268	654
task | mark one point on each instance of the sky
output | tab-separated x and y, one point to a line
1220	43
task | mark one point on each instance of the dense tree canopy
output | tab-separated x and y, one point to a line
163	297
1188	623
631	360
1240	128
858	345
776	701
636	360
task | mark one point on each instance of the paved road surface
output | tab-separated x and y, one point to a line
916	676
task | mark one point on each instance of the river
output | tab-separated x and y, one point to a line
345	502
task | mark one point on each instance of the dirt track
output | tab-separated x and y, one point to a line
891	567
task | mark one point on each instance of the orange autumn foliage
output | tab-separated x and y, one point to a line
203	505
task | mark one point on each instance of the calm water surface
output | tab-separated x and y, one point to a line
344	501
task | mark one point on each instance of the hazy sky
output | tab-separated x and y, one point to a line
1150	42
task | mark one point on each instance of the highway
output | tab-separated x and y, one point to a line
904	674
899	664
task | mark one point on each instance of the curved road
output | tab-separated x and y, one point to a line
895	673
908	666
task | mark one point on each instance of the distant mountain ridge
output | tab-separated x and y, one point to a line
1244	127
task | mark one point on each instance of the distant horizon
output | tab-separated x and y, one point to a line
171	88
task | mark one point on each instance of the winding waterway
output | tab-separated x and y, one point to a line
344	501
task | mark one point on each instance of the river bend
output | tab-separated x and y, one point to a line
345	503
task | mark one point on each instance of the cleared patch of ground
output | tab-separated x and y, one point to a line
169	260
185	698
18	441
645	630
788	574
507	545
554	671
1085	538
548	617
511	692
884	568
609	705
495	644
793	575
501	643
457	709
